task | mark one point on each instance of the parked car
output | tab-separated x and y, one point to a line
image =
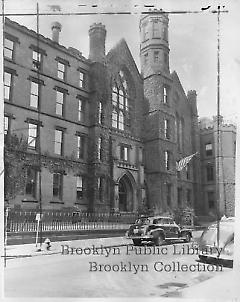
209	247
157	229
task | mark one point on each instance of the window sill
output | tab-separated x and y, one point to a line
56	201
9	59
30	200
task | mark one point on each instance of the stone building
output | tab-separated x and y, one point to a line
218	166
171	123
104	136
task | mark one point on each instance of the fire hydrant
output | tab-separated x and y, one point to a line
47	244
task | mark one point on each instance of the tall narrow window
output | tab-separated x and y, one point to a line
7	86
58	143
211	199
79	186
180	135
36	60
165	58
82	79
188	171
165	33
100	187
31	182
167	160
114	119
124	153
81	110
58	185
8	48
6	125
179	196
80	146
100	113
34	97
156	30
166	129
61	72
60	103
145	58
32	136
145	32
121	121
208	149
210	173
165	95
156	56
100	148
169	189
189	197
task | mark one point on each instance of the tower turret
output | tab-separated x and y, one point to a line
154	48
97	36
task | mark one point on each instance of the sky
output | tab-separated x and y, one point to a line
192	40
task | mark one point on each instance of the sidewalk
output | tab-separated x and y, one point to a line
30	250
224	286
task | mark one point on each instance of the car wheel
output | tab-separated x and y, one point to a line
137	241
159	240
187	238
202	258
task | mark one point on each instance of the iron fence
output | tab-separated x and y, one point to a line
25	221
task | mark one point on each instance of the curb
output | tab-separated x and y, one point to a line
52	252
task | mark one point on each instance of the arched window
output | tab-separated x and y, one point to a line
120	103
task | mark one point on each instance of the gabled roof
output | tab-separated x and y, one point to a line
122	44
176	80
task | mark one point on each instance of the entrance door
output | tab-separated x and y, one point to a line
125	191
122	197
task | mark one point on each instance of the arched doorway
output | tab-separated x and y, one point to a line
125	192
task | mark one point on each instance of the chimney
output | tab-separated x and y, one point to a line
97	36
192	98
56	29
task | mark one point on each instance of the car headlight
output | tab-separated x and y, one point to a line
228	251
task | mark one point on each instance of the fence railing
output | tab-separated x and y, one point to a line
23	221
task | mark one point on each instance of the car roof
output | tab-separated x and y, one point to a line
160	217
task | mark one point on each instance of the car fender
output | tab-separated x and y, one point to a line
185	231
156	232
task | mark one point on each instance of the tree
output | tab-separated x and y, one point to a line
14	165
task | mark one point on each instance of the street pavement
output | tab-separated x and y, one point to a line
29	250
121	270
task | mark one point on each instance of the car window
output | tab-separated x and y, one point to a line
160	221
142	221
226	233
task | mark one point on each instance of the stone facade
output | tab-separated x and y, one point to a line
218	166
121	132
171	131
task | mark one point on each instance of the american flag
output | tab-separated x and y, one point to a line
184	161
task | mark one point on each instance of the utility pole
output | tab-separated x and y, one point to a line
39	142
218	126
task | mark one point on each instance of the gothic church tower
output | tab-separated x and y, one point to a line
159	137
